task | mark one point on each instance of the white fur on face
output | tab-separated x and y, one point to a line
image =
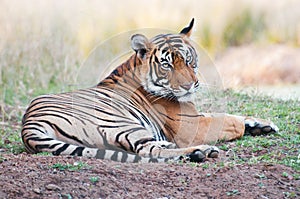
159	84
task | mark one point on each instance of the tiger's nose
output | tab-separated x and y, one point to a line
187	86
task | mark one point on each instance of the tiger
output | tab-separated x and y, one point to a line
141	112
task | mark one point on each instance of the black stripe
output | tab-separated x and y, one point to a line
161	45
177	41
85	133
185	115
73	104
168	117
115	72
138	150
61	149
32	128
31	122
130	145
52	105
40	139
171	132
48	108
162	78
102	133
50	114
100	154
133	114
177	45
114	157
142	141
41	146
142	120
45	146
150	68
65	111
32	104
78	151
54	145
124	156
129	131
151	149
137	158
100	92
55	127
153	160
111	127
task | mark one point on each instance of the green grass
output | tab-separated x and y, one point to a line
10	141
71	167
233	192
94	179
280	148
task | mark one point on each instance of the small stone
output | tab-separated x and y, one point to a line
37	190
52	187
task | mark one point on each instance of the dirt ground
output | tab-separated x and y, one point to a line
36	176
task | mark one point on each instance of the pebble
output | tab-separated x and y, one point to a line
52	187
37	190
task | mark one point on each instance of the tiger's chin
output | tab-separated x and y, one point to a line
185	98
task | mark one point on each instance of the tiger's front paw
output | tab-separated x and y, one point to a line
199	155
255	127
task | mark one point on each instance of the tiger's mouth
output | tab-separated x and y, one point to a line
173	96
165	91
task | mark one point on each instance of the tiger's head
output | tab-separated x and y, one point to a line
169	64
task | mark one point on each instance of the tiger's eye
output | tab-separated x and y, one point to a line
188	58
165	65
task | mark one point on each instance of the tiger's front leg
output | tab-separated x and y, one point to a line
215	127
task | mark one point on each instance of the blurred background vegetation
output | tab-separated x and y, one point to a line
43	43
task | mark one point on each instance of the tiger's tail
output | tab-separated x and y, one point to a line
36	141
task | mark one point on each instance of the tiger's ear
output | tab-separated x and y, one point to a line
188	30
140	44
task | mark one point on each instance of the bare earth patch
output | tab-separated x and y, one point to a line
32	176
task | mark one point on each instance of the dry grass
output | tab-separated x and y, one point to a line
43	43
